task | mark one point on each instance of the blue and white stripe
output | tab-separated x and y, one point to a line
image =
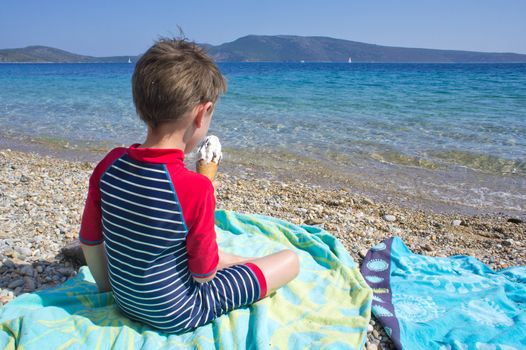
145	239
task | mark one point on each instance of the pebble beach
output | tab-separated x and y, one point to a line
42	198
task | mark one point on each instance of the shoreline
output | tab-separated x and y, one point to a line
250	190
284	166
42	198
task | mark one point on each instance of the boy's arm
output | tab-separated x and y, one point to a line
96	258
215	183
91	240
90	234
201	245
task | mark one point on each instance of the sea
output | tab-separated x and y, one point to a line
447	136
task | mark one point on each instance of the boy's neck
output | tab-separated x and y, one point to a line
166	135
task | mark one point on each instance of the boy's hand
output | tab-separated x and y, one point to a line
215	183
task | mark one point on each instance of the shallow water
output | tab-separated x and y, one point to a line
454	132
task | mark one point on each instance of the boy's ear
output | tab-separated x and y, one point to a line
209	107
198	120
201	112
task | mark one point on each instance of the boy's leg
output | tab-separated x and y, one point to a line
279	268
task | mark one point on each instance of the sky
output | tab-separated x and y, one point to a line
117	27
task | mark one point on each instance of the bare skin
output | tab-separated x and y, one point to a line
98	264
278	268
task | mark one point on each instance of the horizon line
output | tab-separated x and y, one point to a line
277	35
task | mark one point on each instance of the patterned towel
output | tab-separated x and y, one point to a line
445	303
327	306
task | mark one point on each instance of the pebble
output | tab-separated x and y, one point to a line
5	299
367	201
16	283
301	211
11	253
456	222
313	222
29	284
389	218
372	346
437	224
73	251
34	233
9	264
26	270
24	252
65	271
507	242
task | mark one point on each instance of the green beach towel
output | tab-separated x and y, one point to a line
326	307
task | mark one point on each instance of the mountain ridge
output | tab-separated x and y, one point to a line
284	48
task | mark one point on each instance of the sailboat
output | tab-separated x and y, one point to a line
129	60
349	60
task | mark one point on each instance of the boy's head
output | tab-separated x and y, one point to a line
172	78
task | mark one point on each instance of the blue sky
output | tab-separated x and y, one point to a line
116	27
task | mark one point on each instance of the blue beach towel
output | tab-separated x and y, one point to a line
326	307
445	303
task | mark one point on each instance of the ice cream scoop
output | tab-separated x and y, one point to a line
209	149
209	156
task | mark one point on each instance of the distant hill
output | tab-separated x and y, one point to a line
286	48
44	54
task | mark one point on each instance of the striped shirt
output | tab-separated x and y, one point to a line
156	221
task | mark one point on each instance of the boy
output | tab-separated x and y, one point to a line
147	229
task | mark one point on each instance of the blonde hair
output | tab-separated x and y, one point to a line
173	77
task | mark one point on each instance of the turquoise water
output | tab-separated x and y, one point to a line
453	120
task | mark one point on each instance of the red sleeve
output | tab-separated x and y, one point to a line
195	193
91	226
201	243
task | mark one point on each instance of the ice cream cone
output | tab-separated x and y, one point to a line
207	169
